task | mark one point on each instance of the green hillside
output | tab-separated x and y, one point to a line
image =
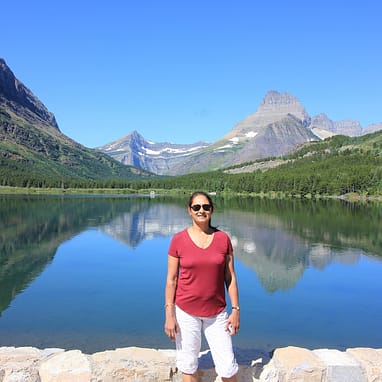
41	156
335	166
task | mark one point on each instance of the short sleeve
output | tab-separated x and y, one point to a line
175	245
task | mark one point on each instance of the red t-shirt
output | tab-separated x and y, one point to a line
201	288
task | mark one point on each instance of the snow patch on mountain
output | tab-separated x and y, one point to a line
171	150
222	148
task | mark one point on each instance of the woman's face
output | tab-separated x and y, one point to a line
201	209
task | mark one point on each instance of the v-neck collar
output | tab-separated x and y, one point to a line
197	246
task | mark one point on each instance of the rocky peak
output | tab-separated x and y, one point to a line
18	97
373	128
158	157
322	126
277	105
274	107
348	127
322	121
132	139
274	99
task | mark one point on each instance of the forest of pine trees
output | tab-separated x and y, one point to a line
336	166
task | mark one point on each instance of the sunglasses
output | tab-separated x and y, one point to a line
197	207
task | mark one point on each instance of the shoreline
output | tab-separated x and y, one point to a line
10	190
30	364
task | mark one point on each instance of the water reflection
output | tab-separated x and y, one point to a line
278	241
32	228
278	250
145	222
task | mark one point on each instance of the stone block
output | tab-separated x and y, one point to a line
134	364
69	366
19	364
371	361
17	354
293	364
340	366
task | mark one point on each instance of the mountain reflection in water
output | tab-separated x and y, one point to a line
277	240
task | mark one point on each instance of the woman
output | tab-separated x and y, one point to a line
200	266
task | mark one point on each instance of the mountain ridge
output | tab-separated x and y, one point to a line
15	95
133	149
33	150
279	126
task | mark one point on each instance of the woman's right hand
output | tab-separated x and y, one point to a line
171	327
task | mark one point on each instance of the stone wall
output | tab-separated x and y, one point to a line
28	364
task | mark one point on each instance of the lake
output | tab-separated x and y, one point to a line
88	272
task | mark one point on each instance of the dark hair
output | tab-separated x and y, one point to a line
196	193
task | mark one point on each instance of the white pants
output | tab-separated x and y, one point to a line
189	339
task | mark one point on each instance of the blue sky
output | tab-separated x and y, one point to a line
183	71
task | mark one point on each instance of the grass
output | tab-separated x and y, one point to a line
6	190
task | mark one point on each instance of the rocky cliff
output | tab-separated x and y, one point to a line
274	107
324	127
18	98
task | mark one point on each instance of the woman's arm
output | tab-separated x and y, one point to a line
233	322
171	326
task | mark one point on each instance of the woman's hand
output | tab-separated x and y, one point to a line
233	322
171	327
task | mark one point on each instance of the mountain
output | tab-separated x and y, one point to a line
158	158
18	99
33	150
324	127
279	126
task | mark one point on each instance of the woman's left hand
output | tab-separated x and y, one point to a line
233	322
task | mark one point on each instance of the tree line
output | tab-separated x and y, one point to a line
336	175
330	167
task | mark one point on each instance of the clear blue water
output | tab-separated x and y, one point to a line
103	285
